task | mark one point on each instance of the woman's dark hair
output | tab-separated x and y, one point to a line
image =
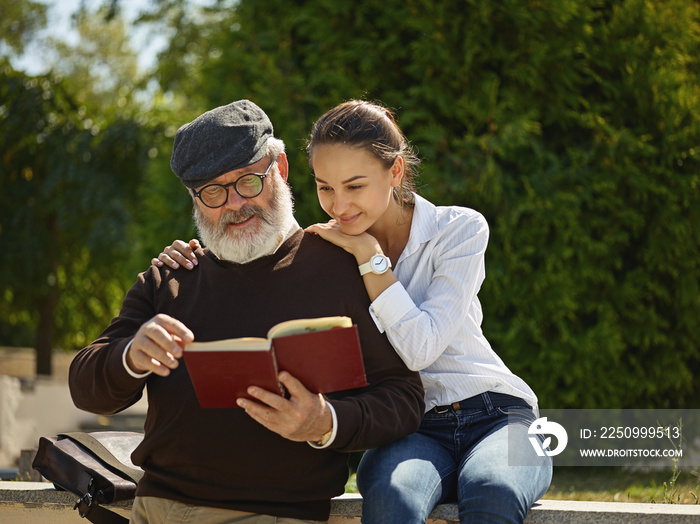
370	126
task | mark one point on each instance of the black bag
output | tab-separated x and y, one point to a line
95	466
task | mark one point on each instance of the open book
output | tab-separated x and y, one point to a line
322	353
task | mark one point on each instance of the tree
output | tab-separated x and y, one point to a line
68	177
76	160
102	64
19	23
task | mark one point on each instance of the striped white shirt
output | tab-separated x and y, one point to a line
432	316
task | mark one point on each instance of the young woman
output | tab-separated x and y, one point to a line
423	266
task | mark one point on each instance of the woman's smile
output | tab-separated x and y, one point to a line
348	219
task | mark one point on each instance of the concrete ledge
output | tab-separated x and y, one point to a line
31	502
584	512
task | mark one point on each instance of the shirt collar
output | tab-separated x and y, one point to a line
423	227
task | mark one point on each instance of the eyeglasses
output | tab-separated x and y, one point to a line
248	186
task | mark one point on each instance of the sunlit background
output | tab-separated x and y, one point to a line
573	126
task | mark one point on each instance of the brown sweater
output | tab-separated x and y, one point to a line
221	457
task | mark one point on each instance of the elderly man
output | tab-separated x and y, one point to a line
277	459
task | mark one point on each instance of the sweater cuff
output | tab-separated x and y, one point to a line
334	431
126	366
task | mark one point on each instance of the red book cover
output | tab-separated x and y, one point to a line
221	376
323	359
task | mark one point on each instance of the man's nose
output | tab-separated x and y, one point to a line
234	200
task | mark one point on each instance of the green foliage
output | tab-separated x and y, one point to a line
19	22
102	64
165	207
75	160
572	125
68	176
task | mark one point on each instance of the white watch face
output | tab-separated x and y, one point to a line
379	264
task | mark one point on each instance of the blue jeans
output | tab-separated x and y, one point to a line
457	455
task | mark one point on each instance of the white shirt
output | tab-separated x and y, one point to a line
432	316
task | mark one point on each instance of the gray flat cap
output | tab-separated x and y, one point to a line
221	140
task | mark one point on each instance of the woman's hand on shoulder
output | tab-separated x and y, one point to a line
361	246
329	231
178	254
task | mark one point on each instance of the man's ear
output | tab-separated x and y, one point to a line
283	166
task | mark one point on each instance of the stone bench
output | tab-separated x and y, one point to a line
32	502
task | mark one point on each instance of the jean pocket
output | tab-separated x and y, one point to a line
518	414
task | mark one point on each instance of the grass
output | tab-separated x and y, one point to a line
656	485
616	484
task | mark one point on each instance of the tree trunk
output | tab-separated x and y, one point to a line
47	309
44	336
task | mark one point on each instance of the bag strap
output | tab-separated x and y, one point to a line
94	445
98	514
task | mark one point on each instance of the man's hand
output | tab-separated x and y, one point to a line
304	417
158	345
178	254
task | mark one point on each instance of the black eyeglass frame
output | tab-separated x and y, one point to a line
261	176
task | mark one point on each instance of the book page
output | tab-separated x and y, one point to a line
306	325
231	344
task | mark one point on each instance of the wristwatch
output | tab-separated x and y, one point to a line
378	264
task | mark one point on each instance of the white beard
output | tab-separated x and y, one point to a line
242	247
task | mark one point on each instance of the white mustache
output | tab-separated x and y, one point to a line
243	214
